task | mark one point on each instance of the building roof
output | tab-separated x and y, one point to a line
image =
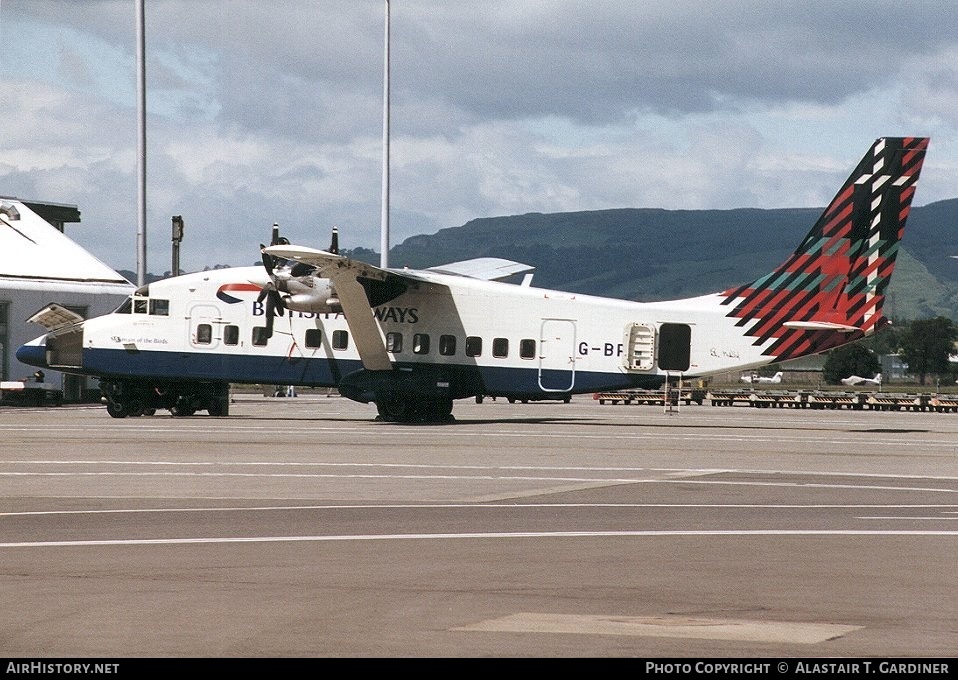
32	249
56	214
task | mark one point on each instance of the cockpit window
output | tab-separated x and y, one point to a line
126	307
140	305
160	307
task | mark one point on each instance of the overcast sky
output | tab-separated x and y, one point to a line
263	111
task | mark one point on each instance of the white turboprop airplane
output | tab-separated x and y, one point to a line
413	341
775	379
858	380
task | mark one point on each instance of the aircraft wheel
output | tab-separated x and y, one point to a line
392	410
183	407
219	407
444	409
116	409
437	411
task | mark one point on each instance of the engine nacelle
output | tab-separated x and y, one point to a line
320	297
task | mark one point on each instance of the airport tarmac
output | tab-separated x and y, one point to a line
302	527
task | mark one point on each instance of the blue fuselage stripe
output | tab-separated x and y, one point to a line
323	372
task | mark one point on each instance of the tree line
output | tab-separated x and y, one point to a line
924	345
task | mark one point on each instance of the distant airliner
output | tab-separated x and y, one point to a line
413	341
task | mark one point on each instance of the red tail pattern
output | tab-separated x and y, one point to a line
834	283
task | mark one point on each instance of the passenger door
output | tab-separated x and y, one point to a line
205	326
557	355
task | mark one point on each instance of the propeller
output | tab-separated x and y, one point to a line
295	280
274	300
269	293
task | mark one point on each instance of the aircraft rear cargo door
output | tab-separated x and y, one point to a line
675	347
557	355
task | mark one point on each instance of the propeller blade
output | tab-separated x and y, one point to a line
268	260
263	292
269	316
271	298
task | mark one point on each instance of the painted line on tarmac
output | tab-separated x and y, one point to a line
472	536
440	437
422	466
487	478
669	625
496	506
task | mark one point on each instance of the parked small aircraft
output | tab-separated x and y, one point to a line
755	378
413	341
858	380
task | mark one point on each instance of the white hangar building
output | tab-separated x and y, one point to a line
40	265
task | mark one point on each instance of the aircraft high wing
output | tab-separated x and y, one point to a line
360	286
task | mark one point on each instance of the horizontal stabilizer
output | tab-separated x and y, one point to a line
821	326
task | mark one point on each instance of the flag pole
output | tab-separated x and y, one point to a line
384	235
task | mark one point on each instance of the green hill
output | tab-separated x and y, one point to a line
649	254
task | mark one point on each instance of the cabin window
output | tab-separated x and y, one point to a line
160	307
204	334
394	342
473	346
527	349
500	348
420	343
231	335
140	305
260	336
447	345
340	339
314	338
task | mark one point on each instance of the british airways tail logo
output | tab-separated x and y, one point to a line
224	291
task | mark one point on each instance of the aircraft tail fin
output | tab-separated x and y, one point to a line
832	288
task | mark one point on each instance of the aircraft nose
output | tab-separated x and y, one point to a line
34	353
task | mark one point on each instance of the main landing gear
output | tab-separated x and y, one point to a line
128	399
405	410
